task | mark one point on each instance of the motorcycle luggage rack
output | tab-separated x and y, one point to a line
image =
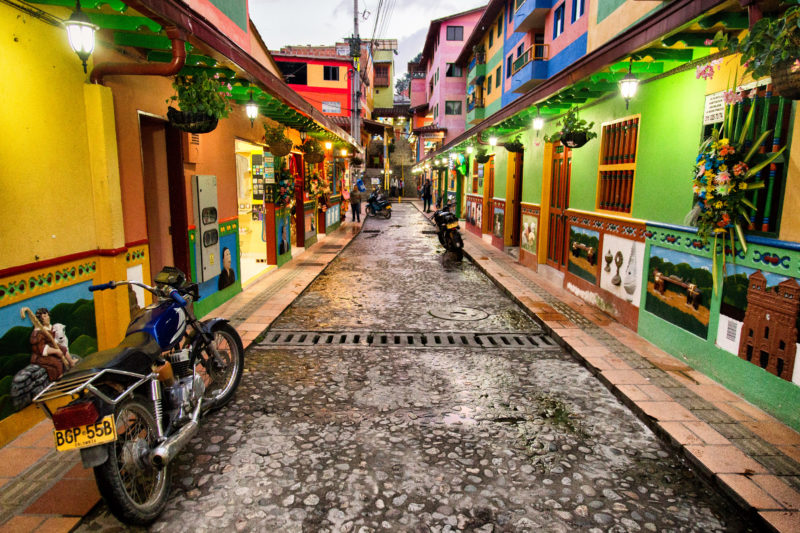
74	385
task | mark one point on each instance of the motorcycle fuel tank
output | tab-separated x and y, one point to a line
164	321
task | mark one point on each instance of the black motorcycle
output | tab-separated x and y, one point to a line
447	230
377	204
134	407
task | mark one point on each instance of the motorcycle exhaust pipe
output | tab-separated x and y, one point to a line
162	454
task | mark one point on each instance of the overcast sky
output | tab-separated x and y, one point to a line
323	22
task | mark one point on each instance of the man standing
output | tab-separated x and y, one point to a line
427	195
355	203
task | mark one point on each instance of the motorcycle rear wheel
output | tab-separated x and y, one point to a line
221	380
135	491
441	237
387	213
370	211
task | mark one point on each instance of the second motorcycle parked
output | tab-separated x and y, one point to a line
447	230
378	205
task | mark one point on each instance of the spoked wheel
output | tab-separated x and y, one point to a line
135	491
221	374
370	211
387	213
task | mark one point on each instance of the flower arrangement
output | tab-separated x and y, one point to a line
725	172
574	132
277	141
770	48
313	151
202	100
284	192
319	189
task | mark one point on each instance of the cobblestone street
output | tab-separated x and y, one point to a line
386	398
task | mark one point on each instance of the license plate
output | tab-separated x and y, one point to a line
100	432
452	225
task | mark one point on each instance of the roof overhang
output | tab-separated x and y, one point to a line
433	29
493	9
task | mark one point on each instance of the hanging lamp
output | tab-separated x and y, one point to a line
80	32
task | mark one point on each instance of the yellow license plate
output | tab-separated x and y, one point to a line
100	432
452	225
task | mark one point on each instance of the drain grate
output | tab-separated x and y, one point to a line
388	339
370	231
310	264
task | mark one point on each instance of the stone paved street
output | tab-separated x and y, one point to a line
354	437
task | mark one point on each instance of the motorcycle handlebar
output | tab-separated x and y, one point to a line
103	286
174	294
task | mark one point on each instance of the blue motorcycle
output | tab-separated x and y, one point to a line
377	204
132	408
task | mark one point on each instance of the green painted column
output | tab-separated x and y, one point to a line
459	192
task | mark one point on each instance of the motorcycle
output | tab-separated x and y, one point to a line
377	204
447	230
134	407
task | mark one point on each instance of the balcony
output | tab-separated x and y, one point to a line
475	108
381	81
531	14
476	70
530	69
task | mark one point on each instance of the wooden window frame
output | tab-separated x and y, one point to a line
617	167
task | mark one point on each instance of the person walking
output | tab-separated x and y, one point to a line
427	195
355	203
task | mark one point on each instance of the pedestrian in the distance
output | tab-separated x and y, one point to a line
355	203
427	195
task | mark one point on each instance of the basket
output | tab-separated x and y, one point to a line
313	158
574	139
192	122
280	149
785	83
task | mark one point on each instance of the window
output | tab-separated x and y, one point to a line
435	111
381	75
498	76
538	49
577	9
491	38
558	21
520	49
295	73
454	71
437	75
500	26
617	165
455	33
452	107
489	84
330	73
509	60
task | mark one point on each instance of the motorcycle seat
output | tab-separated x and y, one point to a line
130	355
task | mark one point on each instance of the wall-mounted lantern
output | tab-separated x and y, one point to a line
328	145
252	109
538	122
628	85
492	141
80	32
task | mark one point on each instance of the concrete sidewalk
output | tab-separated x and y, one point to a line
737	447
43	490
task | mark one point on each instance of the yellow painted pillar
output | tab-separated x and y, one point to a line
544	209
111	307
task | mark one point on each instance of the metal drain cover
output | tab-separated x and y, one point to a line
459	314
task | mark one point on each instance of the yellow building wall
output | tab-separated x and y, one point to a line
316	78
494	59
624	16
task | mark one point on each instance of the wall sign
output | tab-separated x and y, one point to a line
714	111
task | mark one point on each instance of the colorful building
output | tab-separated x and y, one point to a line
610	217
101	185
383	51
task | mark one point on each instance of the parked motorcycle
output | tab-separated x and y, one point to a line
377	204
134	407
447	230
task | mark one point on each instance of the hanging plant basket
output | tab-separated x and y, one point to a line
314	158
514	146
574	139
280	149
191	122
785	83
356	161
482	157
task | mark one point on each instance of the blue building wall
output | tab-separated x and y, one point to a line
567	56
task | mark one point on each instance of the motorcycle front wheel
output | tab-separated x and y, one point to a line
370	211
387	213
222	376
135	491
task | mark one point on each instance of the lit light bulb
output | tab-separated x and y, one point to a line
80	32
469	149
493	141
538	123
328	145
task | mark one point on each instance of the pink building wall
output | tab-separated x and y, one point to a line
571	30
419	93
450	89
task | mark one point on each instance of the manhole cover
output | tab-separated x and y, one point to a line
459	314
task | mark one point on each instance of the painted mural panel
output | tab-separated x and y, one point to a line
474	211
283	231
583	248
332	215
28	360
679	289
527	239
623	262
759	319
310	224
499	222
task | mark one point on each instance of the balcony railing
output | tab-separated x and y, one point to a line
381	81
474	102
537	52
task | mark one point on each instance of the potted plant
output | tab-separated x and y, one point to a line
514	145
276	140
202	100
574	132
313	151
771	47
482	157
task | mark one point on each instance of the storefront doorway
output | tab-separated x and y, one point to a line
488	194
558	205
251	174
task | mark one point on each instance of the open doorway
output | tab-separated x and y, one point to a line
250	191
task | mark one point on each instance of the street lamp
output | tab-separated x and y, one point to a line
328	145
80	32
628	85
538	122
344	152
252	109
469	149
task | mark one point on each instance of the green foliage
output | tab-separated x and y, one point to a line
514	145
482	157
6	406
580	272
771	41
201	93
571	123
5	385
11	364
276	140
313	151
16	340
83	346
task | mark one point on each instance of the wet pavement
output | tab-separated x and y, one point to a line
346	436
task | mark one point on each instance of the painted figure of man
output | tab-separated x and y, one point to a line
228	275
49	346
